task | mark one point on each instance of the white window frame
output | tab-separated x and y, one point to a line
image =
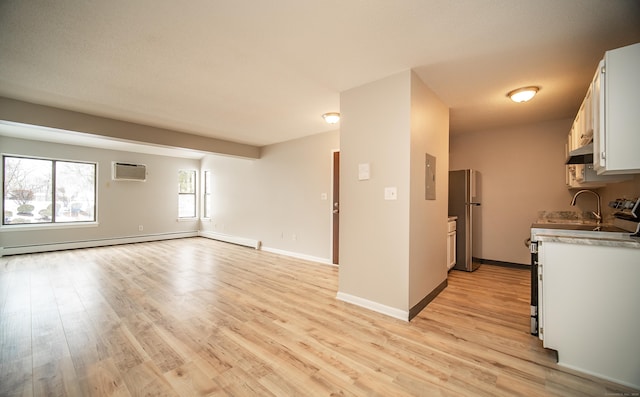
206	194
194	194
53	224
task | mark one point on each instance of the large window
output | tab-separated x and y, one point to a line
48	191
186	194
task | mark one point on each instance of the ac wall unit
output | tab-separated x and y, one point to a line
129	172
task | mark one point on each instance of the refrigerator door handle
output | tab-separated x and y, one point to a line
476	204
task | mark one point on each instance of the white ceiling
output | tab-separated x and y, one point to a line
262	72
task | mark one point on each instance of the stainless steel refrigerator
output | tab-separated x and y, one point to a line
464	202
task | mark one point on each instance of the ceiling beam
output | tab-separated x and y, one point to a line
29	113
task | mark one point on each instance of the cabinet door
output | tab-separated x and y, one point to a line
575	133
584	176
619	118
597	107
589	308
587	118
451	250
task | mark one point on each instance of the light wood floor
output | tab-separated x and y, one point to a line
198	317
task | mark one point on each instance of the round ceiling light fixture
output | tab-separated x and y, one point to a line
331	118
523	94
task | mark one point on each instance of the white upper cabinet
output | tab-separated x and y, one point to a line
581	176
615	103
582	128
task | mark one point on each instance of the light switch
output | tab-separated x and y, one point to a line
323	196
363	172
390	193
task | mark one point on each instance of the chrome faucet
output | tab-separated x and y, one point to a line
598	213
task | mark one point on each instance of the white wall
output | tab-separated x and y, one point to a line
428	218
277	199
523	172
122	206
374	232
392	252
627	189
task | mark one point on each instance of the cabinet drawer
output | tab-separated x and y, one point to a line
451	226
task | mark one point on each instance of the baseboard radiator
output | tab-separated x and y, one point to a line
30	249
247	242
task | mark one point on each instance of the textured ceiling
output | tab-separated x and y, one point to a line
262	72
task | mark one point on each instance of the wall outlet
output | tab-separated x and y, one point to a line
140	228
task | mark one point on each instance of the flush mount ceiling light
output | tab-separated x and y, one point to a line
331	118
523	94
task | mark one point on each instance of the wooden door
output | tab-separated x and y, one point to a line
336	207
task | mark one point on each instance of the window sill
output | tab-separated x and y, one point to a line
193	219
46	226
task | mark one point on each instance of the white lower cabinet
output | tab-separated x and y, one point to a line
451	244
590	308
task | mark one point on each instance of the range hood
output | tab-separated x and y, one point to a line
582	155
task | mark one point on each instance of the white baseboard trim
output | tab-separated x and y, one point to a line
375	306
30	249
324	261
252	243
257	244
247	242
632	383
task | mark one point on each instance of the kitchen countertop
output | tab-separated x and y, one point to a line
453	218
584	240
576	231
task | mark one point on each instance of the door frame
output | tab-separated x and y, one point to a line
334	230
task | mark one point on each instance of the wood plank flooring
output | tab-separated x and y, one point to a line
197	317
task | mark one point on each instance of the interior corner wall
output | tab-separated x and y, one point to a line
122	206
522	172
282	199
428	219
374	232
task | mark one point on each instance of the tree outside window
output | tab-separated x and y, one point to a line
48	191
186	194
